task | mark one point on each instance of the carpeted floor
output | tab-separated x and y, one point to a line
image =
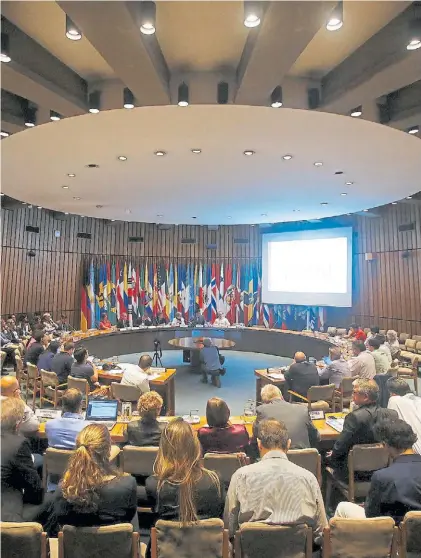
238	384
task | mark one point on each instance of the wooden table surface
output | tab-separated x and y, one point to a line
116	377
197	343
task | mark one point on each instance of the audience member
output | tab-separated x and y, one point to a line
407	405
34	350
381	360
358	425
336	370
123	321
20	482
7	347
395	490
181	489
62	362
362	364
137	374
93	492
23	327
274	490
384	348
147	430
12	334
82	368
301	375
356	333
374	330
63	325
392	342
29	424
48	324
160	319
104	321
62	432
46	358
220	436
301	430
221	320
210	362
178	320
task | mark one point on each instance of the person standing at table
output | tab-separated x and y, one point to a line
221	320
301	375
178	320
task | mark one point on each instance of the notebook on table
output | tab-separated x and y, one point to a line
102	412
336	423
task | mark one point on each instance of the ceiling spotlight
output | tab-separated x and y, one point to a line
1	194
324	203
122	158
357	111
112	220
336	18
29	115
183	95
65	187
39	207
30	206
276	97
71	175
147	18
54	116
365	210
72	32
414	35
394	203
249	152
160	153
413	130
4	134
318	164
286	157
76	198
5	49
252	13
196	151
94	102
344	194
24	203
128	99
349	183
409	197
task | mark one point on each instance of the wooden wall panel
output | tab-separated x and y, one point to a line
386	290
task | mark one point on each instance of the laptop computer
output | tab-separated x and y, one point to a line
102	412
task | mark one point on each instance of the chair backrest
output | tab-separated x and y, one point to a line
225	464
3	357
403	337
346	386
49	378
382	332
411	535
78	383
331	330
55	463
416	338
23	539
125	393
33	371
360	538
367	457
109	541
307	459
367	330
139	460
410	344
321	393
206	538
418	347
257	539
341	331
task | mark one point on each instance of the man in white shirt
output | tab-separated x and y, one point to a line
362	364
137	375
178	320
221	321
407	405
381	359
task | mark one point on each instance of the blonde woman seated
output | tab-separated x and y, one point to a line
181	489
93	492
220	436
147	430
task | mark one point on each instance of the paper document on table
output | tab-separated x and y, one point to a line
336	423
276	376
47	413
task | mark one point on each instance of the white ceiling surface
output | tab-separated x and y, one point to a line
221	185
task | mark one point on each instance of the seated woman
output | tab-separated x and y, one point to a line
104	322
220	435
147	430
181	489
92	491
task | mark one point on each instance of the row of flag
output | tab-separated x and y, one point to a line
129	291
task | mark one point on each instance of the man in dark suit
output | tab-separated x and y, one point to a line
301	375
359	425
395	490
20	482
197	319
295	417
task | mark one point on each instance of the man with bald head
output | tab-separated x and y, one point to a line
9	387
301	375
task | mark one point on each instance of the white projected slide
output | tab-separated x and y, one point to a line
309	267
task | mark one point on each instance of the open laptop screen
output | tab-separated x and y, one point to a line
102	410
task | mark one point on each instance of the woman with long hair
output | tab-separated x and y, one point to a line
92	491
181	489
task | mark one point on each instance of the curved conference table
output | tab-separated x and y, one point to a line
106	344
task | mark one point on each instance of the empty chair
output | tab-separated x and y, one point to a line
320	398
402	338
307	459
206	538
225	464
341	331
51	389
110	541
360	538
343	395
418	348
80	384
33	383
410	535
138	461
331	330
416	338
55	463
258	540
410	373
124	393
410	345
26	540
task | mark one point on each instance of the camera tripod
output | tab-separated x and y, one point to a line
157	355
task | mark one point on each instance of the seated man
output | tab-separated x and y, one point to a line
301	375
178	320
356	333
62	432
147	320
384	347
137	374
211	363
147	430
62	362
221	320
374	330
33	352
10	349
337	369
295	417
381	360
395	490
197	319
160	319
63	325
29	425
407	405
362	364
82	368
46	358
123	321
274	490
48	324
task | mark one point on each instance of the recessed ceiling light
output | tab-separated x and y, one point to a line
29	124
65	187
409	197
30	206
365	210
318	164
113	220
394	203
55	116
4	134
160	153
344	194
286	157
39	207
1	194
196	151
66	213
94	110
92	166
71	175
413	130
349	183
249	152
324	203
76	198
229	217
356	112
263	215
24	203
159	215
122	158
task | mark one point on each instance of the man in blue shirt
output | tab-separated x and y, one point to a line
62	432
45	359
211	363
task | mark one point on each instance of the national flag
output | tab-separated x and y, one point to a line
170	299
321	320
162	286
135	293
129	280
213	294
268	319
91	295
84	309
125	287
221	300
113	296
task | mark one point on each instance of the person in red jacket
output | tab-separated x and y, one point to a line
356	333
105	322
